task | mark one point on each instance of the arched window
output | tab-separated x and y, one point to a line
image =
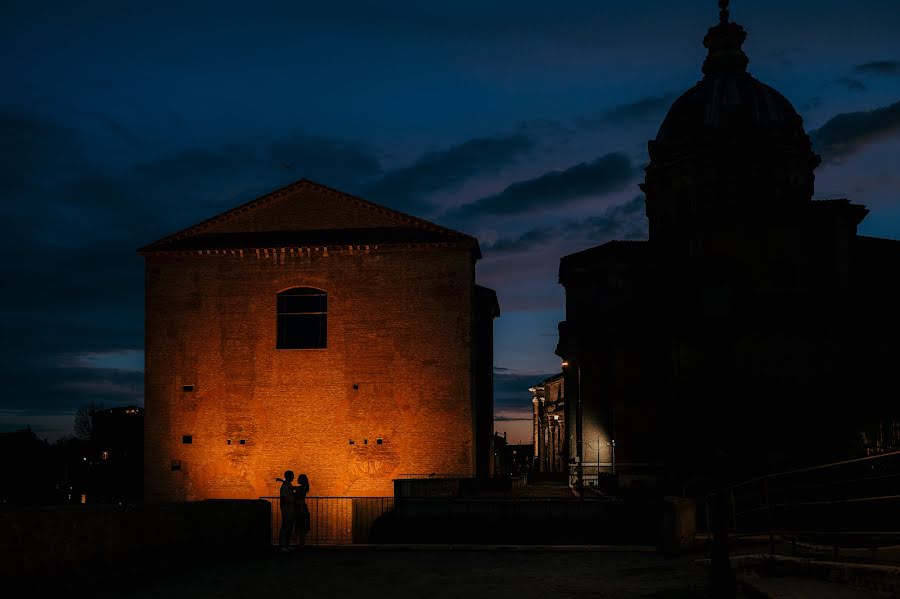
302	319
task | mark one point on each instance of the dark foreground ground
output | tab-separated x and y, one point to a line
431	573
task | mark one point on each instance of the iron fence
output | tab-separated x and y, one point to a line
606	478
433	475
523	486
336	520
851	506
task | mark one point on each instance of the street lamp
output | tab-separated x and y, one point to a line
579	453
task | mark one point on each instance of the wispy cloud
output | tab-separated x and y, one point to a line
408	188
103	388
848	133
125	359
621	221
588	179
878	67
649	108
852	84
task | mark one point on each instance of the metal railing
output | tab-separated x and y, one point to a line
336	520
851	506
522	486
433	475
604	478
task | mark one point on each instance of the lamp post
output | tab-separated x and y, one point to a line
579	450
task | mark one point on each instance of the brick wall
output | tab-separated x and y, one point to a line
397	368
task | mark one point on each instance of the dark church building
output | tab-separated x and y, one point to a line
755	329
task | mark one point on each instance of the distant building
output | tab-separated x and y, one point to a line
315	331
117	442
549	425
501	465
755	329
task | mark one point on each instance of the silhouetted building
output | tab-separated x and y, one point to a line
501	457
487	309
28	466
755	322
117	439
550	432
316	331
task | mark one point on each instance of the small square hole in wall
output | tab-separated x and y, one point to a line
243	441
228	441
187	387
187	439
176	464
355	387
365	441
351	442
379	441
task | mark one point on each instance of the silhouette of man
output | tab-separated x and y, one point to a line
287	502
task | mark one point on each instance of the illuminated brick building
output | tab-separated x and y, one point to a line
755	324
315	331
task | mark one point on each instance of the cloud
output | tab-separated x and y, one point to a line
103	388
605	174
852	84
35	151
810	104
649	108
523	242
123	359
620	221
407	188
509	417
848	133
878	67
511	390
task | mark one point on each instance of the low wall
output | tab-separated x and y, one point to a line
61	543
557	522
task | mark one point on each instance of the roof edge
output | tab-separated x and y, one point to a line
277	194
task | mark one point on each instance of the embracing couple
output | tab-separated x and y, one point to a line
293	509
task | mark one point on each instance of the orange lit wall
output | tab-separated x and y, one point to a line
398	367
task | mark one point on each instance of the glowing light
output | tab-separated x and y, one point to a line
565	363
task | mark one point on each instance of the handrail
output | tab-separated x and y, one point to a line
815	468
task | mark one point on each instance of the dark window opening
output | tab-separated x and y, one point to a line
243	441
176	464
379	440
302	315
355	387
365	441
228	441
352	442
187	439
187	387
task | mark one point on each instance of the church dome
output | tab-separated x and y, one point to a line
731	149
729	104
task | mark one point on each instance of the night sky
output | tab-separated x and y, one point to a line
524	123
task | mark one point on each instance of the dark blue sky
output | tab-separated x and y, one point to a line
522	122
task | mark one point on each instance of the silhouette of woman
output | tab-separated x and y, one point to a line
287	503
303	520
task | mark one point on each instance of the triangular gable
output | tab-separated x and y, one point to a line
306	206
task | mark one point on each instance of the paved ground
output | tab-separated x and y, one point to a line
439	572
432	574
